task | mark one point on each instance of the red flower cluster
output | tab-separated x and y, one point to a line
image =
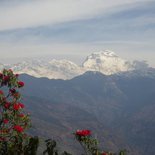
5	121
7	105
18	128
6	78
21	105
17	106
83	132
1	92
14	120
20	84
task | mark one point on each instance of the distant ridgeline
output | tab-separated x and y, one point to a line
106	62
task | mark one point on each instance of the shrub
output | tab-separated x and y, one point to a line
14	121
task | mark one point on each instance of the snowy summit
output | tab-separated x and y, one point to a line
107	62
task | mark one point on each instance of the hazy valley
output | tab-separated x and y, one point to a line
119	108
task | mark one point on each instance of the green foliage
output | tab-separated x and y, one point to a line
123	152
14	121
3	148
90	144
32	146
51	147
66	153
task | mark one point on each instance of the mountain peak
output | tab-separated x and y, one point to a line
107	62
107	53
102	54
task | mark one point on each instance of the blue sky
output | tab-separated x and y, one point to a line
72	29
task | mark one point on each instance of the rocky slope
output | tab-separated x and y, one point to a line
119	109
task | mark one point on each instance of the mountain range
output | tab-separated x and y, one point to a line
118	108
106	62
113	97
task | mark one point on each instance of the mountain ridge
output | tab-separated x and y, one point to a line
106	62
119	108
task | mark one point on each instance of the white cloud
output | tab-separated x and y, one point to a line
44	12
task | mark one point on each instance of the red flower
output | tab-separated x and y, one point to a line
20	84
17	106
6	78
21	105
1	92
5	121
18	128
7	105
83	132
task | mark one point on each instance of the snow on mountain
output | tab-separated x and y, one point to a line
54	69
106	62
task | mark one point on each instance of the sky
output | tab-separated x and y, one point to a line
73	29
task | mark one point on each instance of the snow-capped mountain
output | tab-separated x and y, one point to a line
106	62
54	69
